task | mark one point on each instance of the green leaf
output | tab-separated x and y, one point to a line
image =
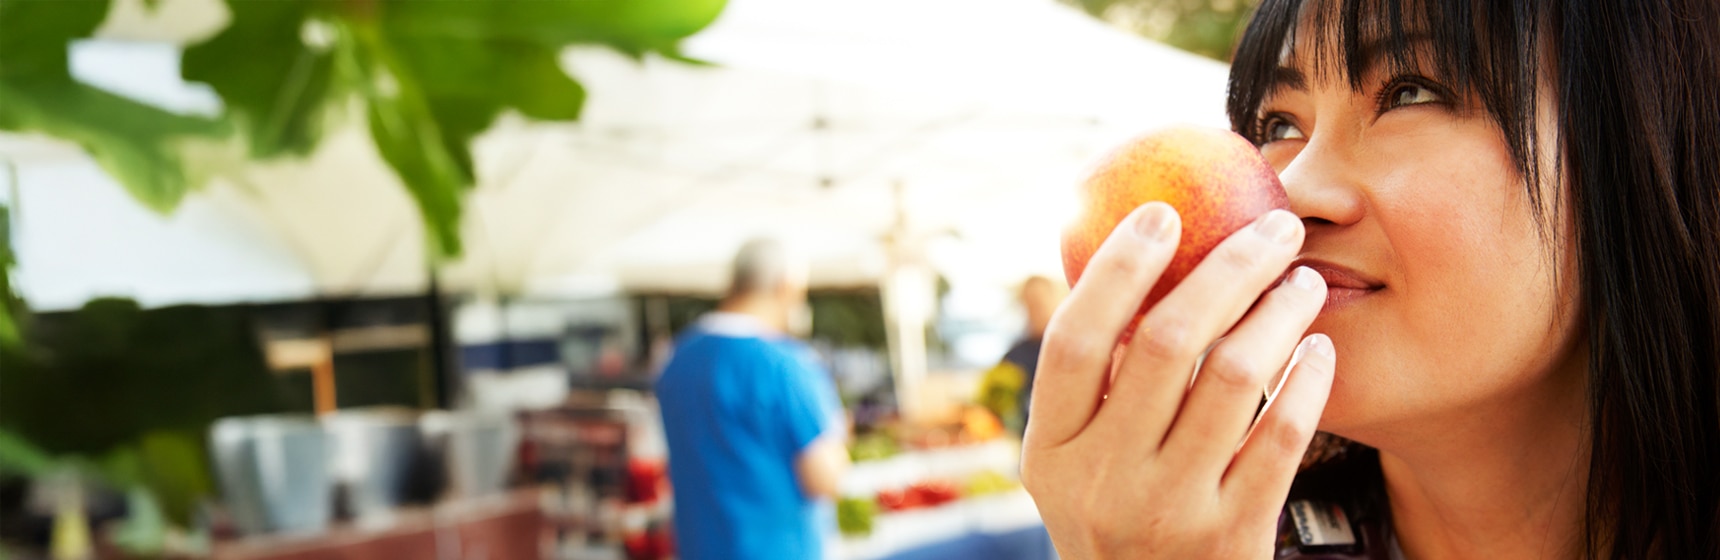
11	306
18	456
469	61
166	463
466	84
122	467
34	34
139	145
676	55
408	136
432	74
175	473
655	25
634	26
273	85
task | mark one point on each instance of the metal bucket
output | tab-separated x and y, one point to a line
478	448
274	472
376	458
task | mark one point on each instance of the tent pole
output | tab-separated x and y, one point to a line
908	293
442	351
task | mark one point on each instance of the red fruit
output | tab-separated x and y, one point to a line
637	545
892	500
1217	181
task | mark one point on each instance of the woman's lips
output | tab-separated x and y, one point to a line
1344	285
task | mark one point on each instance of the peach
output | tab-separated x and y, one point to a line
1217	181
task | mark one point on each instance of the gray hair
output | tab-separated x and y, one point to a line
764	264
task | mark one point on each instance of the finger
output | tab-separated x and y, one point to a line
1074	363
1259	478
1226	393
1154	376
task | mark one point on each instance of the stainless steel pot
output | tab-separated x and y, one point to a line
274	472
377	454
478	446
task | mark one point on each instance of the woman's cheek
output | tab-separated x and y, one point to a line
1473	268
1456	214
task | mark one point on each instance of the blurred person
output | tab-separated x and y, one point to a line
1007	388
755	430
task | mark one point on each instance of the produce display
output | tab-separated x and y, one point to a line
981	424
1217	181
854	516
986	483
969	426
923	494
930	465
873	447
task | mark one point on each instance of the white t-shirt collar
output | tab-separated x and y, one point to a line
735	325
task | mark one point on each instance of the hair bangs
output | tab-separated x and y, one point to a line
1488	50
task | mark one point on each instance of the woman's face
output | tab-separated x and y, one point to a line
1445	295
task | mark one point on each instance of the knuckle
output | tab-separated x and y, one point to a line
1234	368
1242	253
1121	263
1290	436
1032	466
1167	340
1063	352
1045	473
1028	474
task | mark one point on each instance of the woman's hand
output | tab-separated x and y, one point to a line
1124	457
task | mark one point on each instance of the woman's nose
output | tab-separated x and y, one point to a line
1323	186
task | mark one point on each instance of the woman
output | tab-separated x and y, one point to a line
1503	311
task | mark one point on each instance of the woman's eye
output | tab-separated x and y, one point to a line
1279	128
1410	94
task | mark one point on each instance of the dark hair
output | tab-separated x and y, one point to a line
1638	90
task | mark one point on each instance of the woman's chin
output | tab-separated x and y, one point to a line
1352	401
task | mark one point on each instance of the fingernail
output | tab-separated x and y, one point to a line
1321	344
1278	226
1155	221
1305	278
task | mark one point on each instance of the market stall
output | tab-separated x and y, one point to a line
906	162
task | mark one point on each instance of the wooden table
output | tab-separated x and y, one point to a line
506	527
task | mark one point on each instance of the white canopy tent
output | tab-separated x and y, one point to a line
894	140
955	126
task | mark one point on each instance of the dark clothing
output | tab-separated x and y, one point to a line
1337	510
1025	355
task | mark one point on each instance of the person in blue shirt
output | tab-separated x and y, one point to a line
755	431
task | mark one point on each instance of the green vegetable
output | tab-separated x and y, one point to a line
854	516
873	447
989	482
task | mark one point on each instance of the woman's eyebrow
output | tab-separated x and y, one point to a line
1373	52
1285	77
